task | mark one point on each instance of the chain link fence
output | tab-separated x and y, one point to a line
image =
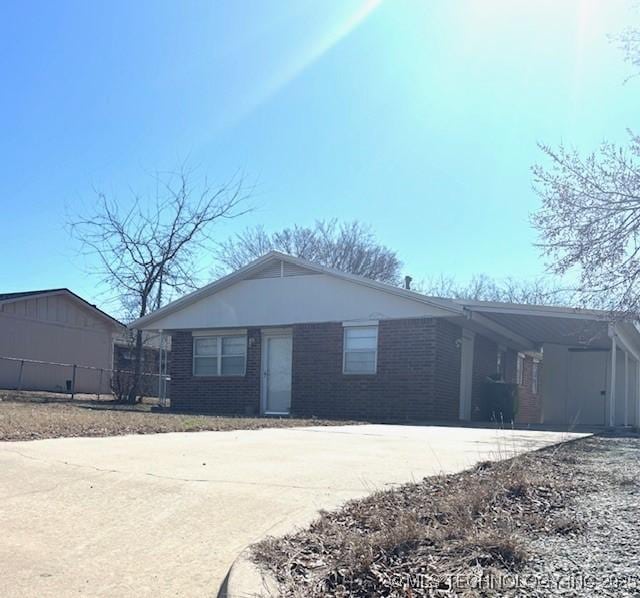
71	379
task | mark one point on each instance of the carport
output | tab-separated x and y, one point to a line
590	371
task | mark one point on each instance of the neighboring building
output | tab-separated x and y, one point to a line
286	336
56	326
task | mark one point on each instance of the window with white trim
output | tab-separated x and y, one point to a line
520	369
220	355
360	350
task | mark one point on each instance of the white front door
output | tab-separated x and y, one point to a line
276	373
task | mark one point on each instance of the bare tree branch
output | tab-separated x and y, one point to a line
348	246
482	287
589	221
147	252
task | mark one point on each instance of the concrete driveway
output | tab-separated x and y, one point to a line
166	514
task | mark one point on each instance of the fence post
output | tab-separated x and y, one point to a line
20	374
100	383
73	381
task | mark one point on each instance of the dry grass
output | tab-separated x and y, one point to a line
31	416
478	520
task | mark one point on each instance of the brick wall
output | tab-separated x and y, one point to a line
530	410
417	377
239	395
446	391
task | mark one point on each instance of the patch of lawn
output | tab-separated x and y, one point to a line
32	417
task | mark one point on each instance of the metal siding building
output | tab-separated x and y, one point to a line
54	326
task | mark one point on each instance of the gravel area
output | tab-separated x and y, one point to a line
563	521
605	559
32	416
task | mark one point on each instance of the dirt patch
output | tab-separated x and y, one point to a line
32	416
560	521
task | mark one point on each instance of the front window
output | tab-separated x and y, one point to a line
360	349
221	355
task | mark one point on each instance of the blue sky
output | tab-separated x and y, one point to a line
419	117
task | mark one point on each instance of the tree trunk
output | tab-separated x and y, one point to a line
137	370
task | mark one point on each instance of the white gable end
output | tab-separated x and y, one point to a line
293	299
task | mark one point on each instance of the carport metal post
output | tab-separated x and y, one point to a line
73	381
20	374
637	393
626	388
100	383
612	393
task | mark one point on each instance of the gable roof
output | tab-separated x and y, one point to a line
20	295
257	265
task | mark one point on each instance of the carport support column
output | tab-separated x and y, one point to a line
626	388
612	392
637	419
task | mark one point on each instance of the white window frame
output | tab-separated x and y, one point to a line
346	327
218	355
520	369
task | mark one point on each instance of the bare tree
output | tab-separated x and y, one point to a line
589	220
350	247
482	287
147	251
629	41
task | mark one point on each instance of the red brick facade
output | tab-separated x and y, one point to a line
228	395
417	377
530	411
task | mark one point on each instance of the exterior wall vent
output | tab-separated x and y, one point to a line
279	269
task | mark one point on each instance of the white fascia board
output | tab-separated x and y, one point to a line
626	340
192	297
242	273
536	310
444	304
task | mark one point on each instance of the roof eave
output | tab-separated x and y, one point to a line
242	273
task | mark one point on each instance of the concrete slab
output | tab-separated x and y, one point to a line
166	514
